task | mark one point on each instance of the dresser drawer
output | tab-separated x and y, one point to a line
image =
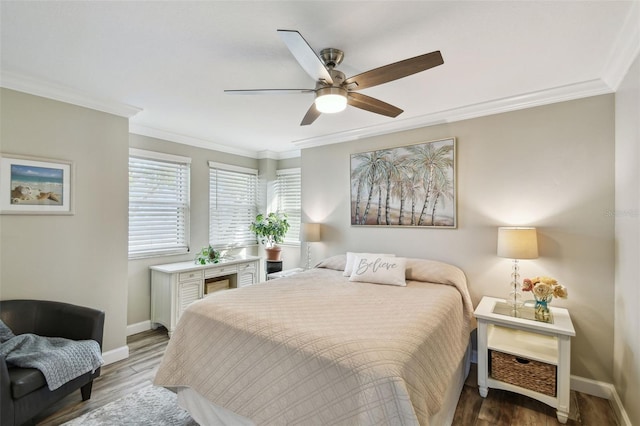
219	271
191	275
247	267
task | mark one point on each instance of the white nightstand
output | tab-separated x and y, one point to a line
282	274
520	355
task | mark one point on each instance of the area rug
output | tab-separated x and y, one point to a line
151	405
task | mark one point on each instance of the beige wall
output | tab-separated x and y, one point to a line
626	367
551	167
290	254
80	259
289	163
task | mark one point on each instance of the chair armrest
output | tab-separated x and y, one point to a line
6	402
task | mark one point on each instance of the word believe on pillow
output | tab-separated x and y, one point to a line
379	270
351	257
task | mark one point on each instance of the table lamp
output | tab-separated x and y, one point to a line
310	234
517	243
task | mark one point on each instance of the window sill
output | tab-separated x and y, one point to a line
152	255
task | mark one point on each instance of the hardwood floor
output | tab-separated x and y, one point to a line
500	408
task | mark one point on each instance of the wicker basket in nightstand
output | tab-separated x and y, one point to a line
529	374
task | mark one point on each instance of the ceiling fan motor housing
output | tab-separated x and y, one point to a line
338	78
331	57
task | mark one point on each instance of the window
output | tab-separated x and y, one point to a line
158	204
232	205
288	195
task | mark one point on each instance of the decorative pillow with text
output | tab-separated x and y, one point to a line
379	270
351	257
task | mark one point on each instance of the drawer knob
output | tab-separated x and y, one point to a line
522	360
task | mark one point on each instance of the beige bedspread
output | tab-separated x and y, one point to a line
315	348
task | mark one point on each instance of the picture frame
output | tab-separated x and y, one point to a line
407	186
35	186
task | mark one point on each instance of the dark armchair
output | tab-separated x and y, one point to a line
23	391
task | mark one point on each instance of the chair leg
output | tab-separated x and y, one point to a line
86	391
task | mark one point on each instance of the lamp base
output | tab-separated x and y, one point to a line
308	266
515	302
515	295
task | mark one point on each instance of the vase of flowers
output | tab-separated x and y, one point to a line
544	289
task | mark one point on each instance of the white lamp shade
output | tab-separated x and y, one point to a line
517	243
331	99
311	232
331	103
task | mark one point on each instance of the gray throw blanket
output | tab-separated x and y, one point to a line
60	360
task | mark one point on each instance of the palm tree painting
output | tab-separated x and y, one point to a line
411	185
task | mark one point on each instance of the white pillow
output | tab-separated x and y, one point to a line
379	270
351	257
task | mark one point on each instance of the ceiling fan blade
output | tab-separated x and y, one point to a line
311	115
368	103
268	91
394	71
305	55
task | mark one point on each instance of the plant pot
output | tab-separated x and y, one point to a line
273	253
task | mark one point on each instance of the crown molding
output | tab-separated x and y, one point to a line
497	106
625	49
169	136
278	155
65	94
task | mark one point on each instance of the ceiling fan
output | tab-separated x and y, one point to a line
333	91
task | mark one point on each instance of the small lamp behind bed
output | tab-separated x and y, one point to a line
310	234
517	243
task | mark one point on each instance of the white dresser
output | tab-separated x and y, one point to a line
176	285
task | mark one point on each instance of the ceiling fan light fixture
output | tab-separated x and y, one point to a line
330	100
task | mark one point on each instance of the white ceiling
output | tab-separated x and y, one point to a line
173	59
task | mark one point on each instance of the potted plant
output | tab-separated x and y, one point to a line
270	229
208	255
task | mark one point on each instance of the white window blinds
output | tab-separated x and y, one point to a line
158	204
232	205
288	185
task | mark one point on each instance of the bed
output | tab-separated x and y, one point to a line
317	349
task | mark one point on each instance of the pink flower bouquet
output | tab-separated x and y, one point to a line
544	287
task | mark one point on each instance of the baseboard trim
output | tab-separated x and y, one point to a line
591	387
618	408
138	327
602	390
115	355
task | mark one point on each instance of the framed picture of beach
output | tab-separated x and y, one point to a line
408	186
30	185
